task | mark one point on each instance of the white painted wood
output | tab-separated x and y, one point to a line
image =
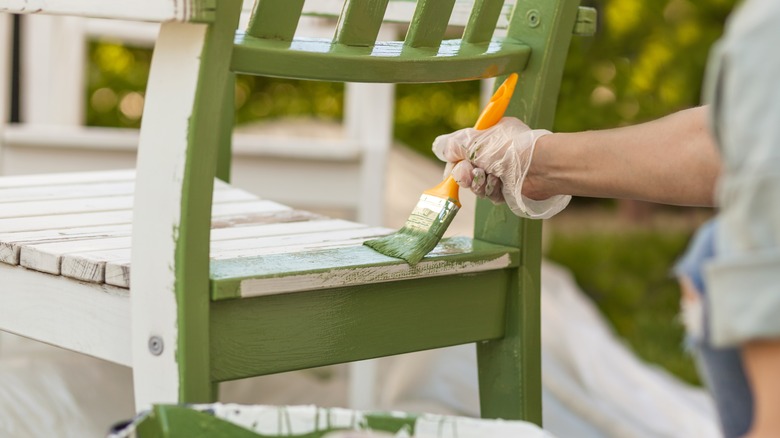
141	10
162	148
136	33
65	221
47	135
372	131
52	44
291	242
278	229
361	391
6	48
103	262
46	257
65	206
366	275
87	318
116	269
81	258
230	213
11	243
91	266
105	203
231	207
66	178
124	139
65	191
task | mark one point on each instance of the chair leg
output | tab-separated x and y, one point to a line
362	384
510	370
510	379
225	150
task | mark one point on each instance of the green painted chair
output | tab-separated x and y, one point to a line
170	270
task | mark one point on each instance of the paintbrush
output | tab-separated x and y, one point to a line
438	205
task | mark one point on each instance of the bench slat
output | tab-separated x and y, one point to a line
91	204
275	19
349	266
332	234
482	21
48	257
429	23
53	179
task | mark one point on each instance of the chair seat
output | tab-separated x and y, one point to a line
78	226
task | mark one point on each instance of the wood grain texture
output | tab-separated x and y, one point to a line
164	139
276	333
88	318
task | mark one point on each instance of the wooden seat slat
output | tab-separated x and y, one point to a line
77	190
350	265
53	179
48	207
66	191
48	257
329	237
230	213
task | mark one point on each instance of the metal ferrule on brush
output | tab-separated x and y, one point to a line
432	214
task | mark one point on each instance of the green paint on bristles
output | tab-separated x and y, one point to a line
407	243
422	231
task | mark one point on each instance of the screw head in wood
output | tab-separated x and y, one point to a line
156	345
534	18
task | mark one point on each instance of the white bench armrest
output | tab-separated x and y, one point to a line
140	10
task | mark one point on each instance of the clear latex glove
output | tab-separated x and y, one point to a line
493	163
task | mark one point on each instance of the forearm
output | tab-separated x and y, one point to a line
672	160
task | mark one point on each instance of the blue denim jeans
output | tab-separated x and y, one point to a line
721	368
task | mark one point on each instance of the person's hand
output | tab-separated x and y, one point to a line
494	162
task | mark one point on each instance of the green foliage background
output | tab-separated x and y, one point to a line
646	60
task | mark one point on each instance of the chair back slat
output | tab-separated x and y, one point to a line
360	21
275	19
429	22
482	21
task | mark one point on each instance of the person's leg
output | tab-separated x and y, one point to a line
761	359
721	369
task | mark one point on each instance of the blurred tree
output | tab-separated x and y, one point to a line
646	60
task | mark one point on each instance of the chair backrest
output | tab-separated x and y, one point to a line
270	47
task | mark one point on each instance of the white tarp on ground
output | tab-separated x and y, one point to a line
593	385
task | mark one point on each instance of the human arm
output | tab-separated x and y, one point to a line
670	160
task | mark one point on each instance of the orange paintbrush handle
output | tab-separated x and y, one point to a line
492	113
496	108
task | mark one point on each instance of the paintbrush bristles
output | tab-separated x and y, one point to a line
406	243
422	231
